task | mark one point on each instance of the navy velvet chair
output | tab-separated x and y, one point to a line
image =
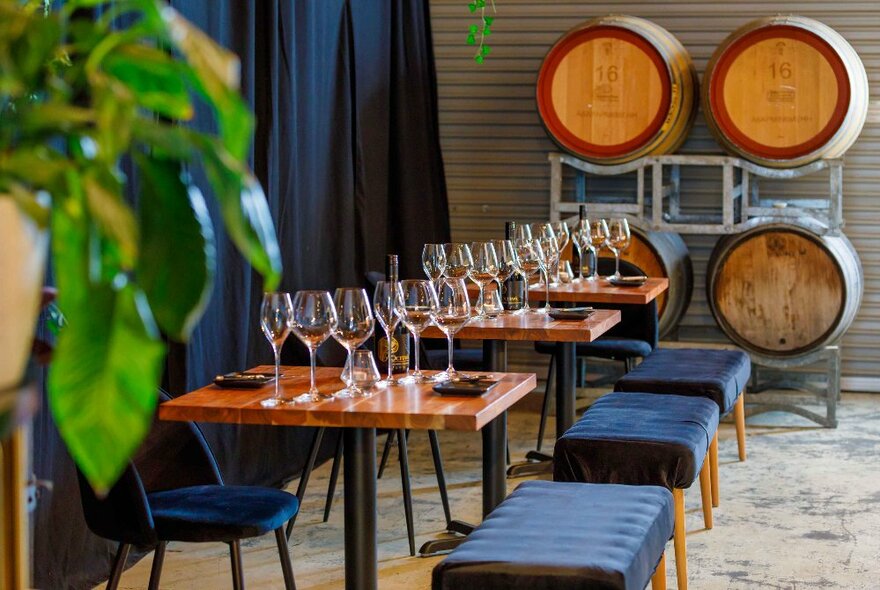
172	491
636	336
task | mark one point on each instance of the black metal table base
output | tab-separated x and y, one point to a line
361	569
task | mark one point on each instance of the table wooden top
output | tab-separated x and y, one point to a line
532	327
601	291
402	406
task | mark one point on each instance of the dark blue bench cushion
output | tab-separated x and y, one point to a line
719	375
219	513
638	439
465	359
548	535
606	348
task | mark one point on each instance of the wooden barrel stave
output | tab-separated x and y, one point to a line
563	73
663	254
824	53
780	290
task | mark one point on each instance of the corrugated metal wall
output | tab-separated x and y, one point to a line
495	149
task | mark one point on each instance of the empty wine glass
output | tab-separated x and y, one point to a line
314	319
453	312
458	261
386	300
618	241
361	372
529	256
507	261
546	231
434	261
483	270
276	316
417	304
354	328
580	237
598	239
549	262
522	232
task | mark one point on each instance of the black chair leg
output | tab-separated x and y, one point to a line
385	451
407	490
545	409
235	559
629	364
306	474
158	561
118	566
334	476
284	554
441	475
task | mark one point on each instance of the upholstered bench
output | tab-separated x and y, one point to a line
560	536
720	375
628	438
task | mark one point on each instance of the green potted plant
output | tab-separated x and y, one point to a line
79	94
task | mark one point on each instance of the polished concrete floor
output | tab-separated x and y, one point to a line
802	512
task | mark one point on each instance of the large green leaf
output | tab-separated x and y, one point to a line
112	215
177	263
157	81
216	75
244	208
107	363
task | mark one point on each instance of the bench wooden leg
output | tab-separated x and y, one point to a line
658	580
706	492
679	539
739	415
713	466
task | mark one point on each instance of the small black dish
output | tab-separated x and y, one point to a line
470	387
237	380
571	313
628	281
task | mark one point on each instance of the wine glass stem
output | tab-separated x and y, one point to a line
450	369
547	289
416	351
388	354
481	303
312	354
617	263
277	351
526	294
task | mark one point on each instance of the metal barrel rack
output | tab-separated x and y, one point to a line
655	202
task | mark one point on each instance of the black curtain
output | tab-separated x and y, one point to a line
347	150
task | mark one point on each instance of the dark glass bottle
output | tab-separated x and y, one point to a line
400	335
582	225
513	290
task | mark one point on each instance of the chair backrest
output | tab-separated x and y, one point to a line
637	321
173	455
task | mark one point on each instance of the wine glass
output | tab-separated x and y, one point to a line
453	312
386	301
434	261
507	261
361	372
549	262
314	319
529	255
458	261
598	239
563	237
546	231
522	232
354	328
276	315
416	306
618	241
483	271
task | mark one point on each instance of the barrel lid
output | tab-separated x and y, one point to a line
552	118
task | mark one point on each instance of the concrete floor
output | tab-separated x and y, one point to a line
802	512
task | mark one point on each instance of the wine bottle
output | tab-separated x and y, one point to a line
582	225
400	335
513	290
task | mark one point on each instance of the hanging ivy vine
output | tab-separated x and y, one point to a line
484	29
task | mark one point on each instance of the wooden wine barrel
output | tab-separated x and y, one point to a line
781	290
663	254
784	91
617	88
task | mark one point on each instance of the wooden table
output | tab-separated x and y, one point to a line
534	327
601	291
405	406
